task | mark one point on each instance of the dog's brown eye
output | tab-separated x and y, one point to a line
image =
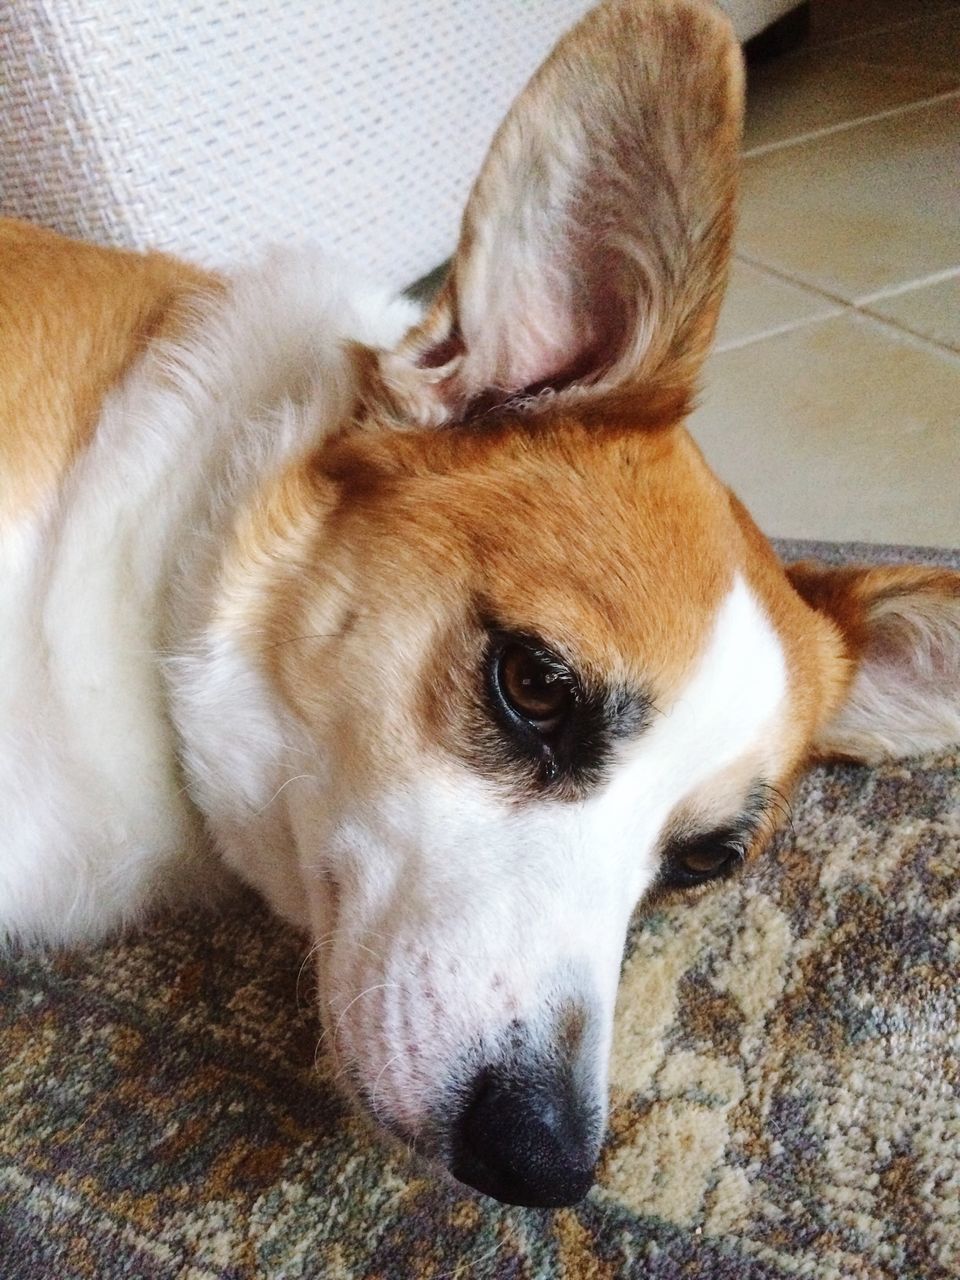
700	859
706	862
534	685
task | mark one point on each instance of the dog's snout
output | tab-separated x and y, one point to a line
524	1142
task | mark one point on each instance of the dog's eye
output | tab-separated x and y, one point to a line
534	685
695	861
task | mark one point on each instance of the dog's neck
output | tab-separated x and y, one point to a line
261	379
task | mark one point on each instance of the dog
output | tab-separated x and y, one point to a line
434	627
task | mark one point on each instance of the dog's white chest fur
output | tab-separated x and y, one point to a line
110	583
456	687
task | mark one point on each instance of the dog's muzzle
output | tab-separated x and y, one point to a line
526	1139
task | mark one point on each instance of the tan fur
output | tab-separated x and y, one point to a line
339	550
506	524
73	317
899	629
590	516
849	596
451	513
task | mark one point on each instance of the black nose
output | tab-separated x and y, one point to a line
524	1141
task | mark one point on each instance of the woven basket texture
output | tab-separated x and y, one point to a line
216	127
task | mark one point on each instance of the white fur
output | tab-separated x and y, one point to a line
139	738
98	591
454	909
459	911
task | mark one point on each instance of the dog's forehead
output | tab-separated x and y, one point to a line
616	547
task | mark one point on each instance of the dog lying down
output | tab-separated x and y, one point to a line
438	631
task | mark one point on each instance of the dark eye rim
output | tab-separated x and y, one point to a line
529	727
676	876
566	754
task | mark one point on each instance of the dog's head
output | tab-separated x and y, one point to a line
545	662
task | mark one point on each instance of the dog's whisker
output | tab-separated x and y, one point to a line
317	946
370	951
300	777
332	934
470	1263
313	635
376	986
376	1084
327	940
778	807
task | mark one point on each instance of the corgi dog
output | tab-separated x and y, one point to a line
434	627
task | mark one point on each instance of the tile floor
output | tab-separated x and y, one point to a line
832	401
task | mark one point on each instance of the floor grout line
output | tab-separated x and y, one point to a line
799	139
912	338
893	342
842	306
788	326
798	282
894	290
820	291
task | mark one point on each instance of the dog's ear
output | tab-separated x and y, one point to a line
901	629
593	251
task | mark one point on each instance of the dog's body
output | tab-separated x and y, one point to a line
116	518
449	643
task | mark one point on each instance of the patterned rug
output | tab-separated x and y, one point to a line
786	1100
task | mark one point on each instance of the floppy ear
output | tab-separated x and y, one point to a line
901	629
593	250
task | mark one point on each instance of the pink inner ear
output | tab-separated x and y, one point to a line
547	320
593	247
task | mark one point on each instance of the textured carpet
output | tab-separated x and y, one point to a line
786	1101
